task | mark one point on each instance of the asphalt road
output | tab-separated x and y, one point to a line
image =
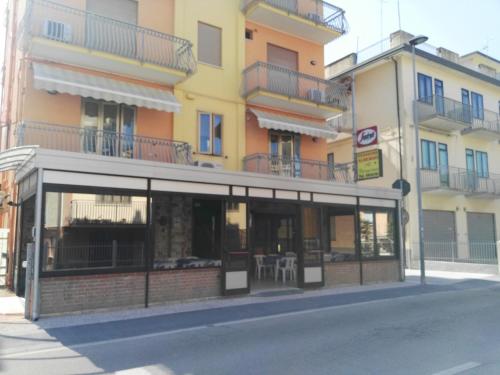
437	329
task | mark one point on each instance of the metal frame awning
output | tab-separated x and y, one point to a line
66	81
287	123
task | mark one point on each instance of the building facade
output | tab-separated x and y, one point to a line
161	152
457	110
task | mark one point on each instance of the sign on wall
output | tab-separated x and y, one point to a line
367	137
369	164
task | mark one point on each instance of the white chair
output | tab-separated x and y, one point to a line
287	266
260	266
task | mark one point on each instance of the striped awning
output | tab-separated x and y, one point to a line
287	123
51	78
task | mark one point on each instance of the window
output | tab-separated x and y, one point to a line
469	160
466	105
209	44
248	34
236	226
428	154
342	236
424	88
439	95
377	233
482	164
80	233
477	106
210	133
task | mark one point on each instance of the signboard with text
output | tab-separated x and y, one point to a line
367	137
369	164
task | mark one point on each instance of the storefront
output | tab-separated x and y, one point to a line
110	240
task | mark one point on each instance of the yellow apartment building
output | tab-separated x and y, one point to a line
157	151
457	109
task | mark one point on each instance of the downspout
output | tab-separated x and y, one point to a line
38	246
354	128
12	64
402	241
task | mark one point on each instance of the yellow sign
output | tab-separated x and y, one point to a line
369	164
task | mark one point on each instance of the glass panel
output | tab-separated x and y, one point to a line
81	231
236	227
128	125
342	235
439	96
311	228
217	121
385	233
205	133
443	164
109	129
90	124
477	106
367	234
466	105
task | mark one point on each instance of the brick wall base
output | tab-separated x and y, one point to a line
91	292
178	285
380	271
341	273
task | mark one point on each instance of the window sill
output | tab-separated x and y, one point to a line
220	67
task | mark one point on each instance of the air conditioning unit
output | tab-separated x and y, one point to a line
314	17
316	95
57	31
208	164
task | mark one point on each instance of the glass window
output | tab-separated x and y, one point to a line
377	233
482	164
81	233
311	228
429	160
210	129
217	123
209	44
342	235
466	105
205	133
236	227
477	106
424	88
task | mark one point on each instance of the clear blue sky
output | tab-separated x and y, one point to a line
462	26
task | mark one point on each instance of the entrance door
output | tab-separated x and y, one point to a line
108	128
482	241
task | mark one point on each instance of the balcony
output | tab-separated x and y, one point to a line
314	20
298	168
63	34
454	181
98	142
273	86
485	125
442	114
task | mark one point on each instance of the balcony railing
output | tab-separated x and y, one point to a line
471	118
318	11
92	141
293	84
460	180
298	168
87	212
50	20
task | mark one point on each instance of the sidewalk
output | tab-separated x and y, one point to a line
10	304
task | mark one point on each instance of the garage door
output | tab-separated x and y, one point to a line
482	239
440	235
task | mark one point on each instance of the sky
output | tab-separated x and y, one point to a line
462	26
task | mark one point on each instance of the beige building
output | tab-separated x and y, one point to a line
457	107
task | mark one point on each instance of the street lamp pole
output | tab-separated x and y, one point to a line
414	42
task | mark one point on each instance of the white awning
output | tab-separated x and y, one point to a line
66	81
286	123
15	157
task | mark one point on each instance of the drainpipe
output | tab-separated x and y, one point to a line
354	129
402	239
38	246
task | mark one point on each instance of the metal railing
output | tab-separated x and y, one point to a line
299	168
87	212
471	118
92	141
460	180
100	255
50	20
479	252
293	84
318	11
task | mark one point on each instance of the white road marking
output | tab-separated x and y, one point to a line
458	369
